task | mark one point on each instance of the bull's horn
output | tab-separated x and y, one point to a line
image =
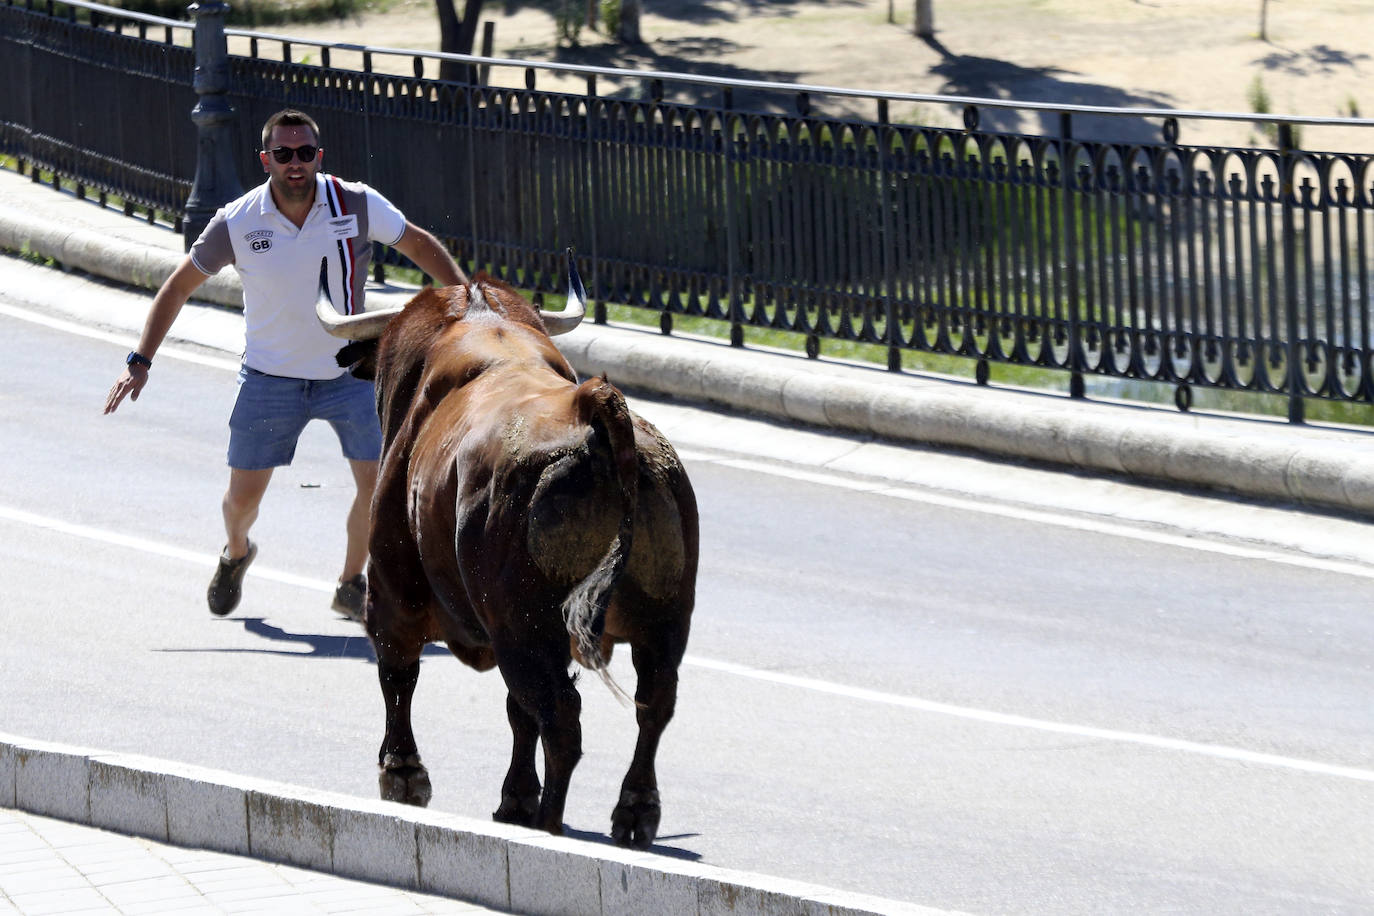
571	316
362	326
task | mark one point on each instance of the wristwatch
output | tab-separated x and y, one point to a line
136	358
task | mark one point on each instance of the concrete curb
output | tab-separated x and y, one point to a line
104	256
1253	457
510	868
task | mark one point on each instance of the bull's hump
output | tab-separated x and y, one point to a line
492	339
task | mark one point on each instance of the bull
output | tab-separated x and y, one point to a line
528	522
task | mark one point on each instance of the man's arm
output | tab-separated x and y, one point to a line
167	304
431	257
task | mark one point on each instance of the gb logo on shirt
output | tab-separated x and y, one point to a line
259	240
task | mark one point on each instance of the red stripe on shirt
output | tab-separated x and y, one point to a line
346	249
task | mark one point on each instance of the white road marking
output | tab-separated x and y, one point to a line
823	478
119	539
1042	517
124	340
1063	728
22	517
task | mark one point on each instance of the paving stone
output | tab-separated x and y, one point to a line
640	882
206	810
728	893
8	764
291	829
128	799
375	843
60	877
553	876
54	781
467	858
63	902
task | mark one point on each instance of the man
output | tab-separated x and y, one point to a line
276	236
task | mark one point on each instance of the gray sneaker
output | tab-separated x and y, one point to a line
350	597
226	588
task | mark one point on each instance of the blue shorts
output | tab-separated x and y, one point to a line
271	411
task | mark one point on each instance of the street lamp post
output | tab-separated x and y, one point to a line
217	181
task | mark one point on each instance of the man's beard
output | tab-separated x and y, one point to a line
293	193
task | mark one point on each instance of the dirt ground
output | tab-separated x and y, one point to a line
1178	54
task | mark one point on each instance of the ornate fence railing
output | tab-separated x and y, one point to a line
1103	246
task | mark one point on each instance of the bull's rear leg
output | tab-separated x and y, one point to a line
539	684
634	822
403	777
520	791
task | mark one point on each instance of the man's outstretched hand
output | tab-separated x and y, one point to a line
130	382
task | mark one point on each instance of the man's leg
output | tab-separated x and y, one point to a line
241	502
350	407
240	507
359	516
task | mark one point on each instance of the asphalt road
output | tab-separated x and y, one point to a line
950	702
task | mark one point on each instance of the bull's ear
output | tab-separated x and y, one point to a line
360	359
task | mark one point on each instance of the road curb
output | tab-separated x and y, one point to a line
510	868
80	248
1253	457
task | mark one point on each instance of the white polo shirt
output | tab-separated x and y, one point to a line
280	269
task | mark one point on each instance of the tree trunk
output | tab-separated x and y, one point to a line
1264	20
628	33
456	36
593	9
925	18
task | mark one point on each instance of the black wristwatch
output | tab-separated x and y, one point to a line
136	358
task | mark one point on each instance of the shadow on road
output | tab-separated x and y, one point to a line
320	646
671	852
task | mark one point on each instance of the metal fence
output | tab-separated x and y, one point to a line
1123	253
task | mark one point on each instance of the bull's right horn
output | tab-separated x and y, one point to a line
562	322
362	326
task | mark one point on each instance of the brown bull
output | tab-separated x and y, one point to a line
527	521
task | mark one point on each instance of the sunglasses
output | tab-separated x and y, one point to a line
283	154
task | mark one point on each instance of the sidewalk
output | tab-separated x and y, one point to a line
188	835
52	866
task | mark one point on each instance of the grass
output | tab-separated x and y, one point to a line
1317	410
959	367
28	254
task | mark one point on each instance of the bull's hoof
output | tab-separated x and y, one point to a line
634	822
405	780
521	811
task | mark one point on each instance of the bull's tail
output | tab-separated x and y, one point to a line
603	407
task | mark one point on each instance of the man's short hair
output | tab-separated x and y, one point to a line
289	117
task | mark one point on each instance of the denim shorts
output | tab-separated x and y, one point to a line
271	411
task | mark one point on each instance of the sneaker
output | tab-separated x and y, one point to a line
226	588
350	596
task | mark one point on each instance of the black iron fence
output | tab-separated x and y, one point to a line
1121	252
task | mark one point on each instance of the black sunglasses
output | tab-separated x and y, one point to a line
283	154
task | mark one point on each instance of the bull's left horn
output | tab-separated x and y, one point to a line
362	326
572	314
